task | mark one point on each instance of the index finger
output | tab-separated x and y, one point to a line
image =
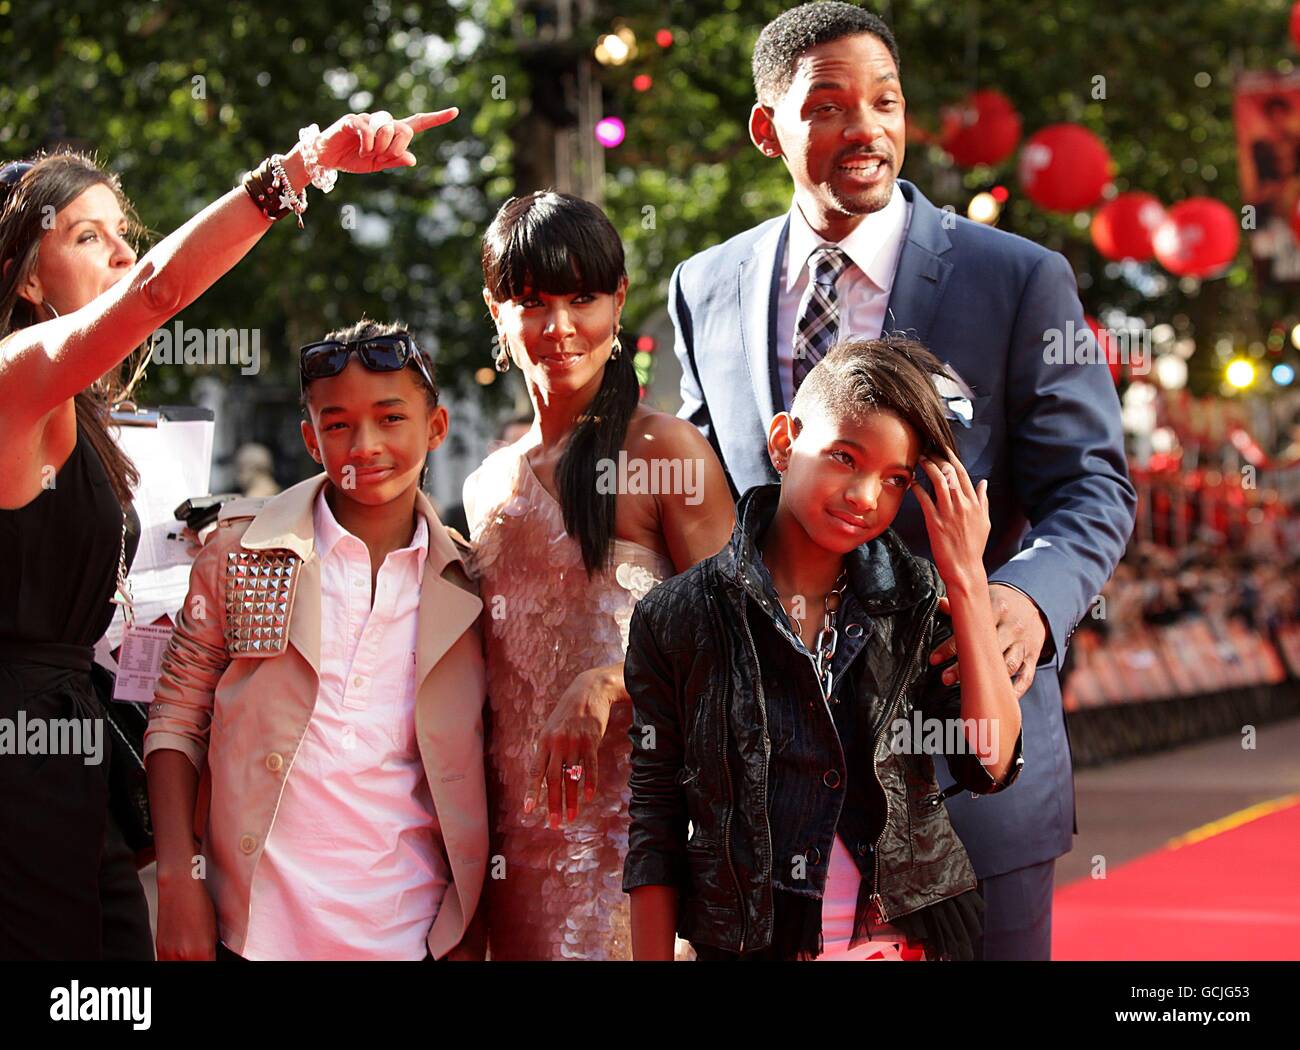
536	774
418	122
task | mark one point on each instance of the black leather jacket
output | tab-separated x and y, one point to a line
701	745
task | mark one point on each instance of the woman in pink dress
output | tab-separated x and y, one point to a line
573	523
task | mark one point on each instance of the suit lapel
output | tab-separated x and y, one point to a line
757	283
922	273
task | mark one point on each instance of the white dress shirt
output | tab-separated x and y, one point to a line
862	291
353	867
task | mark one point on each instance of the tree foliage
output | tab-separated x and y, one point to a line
180	98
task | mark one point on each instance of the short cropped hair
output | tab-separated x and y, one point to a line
789	35
894	373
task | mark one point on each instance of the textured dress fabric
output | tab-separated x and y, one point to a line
552	894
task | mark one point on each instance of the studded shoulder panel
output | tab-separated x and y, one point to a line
260	586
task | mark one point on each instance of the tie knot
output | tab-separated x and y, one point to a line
827	265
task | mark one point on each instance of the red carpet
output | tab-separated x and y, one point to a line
1229	890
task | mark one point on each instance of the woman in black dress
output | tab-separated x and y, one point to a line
74	304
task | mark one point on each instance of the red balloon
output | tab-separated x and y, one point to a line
1123	227
1102	335
1199	238
982	129
1064	167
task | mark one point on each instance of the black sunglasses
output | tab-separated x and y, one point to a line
380	353
12	173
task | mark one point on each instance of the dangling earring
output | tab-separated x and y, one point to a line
617	348
501	358
50	306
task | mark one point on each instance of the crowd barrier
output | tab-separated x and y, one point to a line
1163	686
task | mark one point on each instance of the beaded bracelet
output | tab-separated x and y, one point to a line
297	204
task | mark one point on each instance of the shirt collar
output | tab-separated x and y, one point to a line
872	247
329	533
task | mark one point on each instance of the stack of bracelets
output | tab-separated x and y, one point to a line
270	188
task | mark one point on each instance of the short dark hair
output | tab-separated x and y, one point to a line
894	373
368	329
785	38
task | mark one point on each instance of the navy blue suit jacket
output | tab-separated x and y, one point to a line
1046	436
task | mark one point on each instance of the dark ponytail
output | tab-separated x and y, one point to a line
598	436
562	245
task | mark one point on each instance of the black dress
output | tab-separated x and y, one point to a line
68	884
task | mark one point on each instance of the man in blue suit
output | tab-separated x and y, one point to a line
861	252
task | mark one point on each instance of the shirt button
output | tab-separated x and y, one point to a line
275	762
248	843
831	778
357	680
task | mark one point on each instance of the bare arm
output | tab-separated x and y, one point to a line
697	520
654	923
173	794
45	364
957	521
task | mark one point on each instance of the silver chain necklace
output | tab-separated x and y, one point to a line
122	595
828	637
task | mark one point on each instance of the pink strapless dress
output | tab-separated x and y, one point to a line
546	622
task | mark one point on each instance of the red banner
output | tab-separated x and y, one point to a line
1267	115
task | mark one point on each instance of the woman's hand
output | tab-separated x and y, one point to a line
365	142
956	519
187	921
571	737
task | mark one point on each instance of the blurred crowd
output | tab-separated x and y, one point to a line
1178	622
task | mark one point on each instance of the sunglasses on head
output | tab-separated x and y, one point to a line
12	173
380	353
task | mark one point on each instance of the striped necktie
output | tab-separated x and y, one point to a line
819	312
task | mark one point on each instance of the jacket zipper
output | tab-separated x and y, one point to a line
731	796
767	747
909	674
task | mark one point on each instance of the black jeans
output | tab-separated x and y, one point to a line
68	883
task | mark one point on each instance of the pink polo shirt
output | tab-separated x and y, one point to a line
353	866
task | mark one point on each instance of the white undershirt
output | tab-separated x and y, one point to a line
839	906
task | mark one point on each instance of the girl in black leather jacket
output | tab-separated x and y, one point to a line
784	707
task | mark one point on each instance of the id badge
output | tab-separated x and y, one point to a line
139	661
